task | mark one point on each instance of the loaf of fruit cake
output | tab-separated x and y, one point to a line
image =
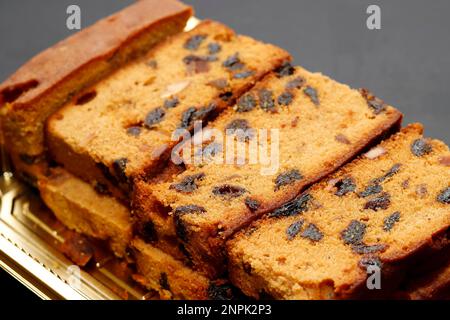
47	81
387	209
319	125
124	126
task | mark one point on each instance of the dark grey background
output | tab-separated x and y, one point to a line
407	62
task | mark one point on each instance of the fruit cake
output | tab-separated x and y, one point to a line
122	127
389	208
321	125
79	207
172	279
43	84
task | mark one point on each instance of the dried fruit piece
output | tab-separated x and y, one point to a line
241	128
228	191
220	83
312	233
312	94
180	227
345	186
197	64
152	63
285	98
192	114
226	96
194	42
421	190
286	69
266	101
188	184
391	172
421	147
389	222
362	248
30	160
444	160
102	189
233	63
342	139
287	178
382	202
171	103
134	131
252	204
220	291
293	207
376	104
296	83
354	233
371	189
375	152
120	166
154	117
164	281
244	74
246	103
247	267
444	196
294	229
85	98
148	232
214	47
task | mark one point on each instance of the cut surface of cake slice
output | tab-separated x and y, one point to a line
386	209
123	127
172	279
81	208
48	80
313	126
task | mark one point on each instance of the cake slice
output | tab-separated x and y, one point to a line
318	125
43	84
79	207
123	127
388	209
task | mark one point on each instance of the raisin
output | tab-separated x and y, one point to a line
211	150
444	196
376	104
296	83
312	233
192	58
382	202
220	291
120	166
229	191
370	190
192	114
105	170
247	267
196	64
246	103
226	96
194	42
164	281
285	98
241	128
134	131
389	222
287	178
345	186
390	173
30	160
294	229
366	262
85	98
188	184
252	204
186	253
244	74
154	117
220	83
293	207
312	94
148	232
421	147
214	47
421	190
152	63
101	188
354	233
286	69
342	139
233	63
180	227
266	101
362	248
171	103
